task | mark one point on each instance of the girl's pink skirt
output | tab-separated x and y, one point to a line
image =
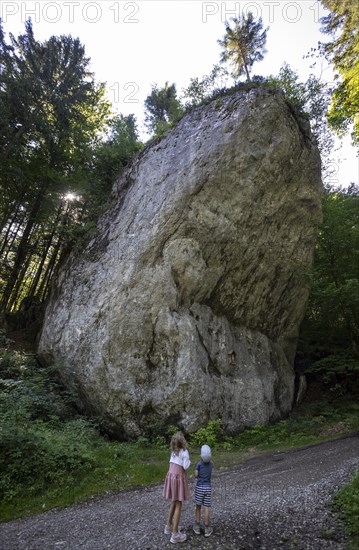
176	484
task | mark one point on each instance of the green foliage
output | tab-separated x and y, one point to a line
347	499
211	435
162	108
320	421
340	372
343	51
49	455
53	112
60	152
110	156
311	97
329	339
244	44
4	340
29	391
200	91
34	456
36	448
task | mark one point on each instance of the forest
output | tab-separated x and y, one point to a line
61	149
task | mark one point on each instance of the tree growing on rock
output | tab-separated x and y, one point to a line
200	90
162	107
243	44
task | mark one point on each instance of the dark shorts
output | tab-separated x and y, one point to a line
203	495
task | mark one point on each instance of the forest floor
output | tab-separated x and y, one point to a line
270	502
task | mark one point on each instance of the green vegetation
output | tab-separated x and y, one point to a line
163	109
342	24
61	148
312	98
347	500
317	422
50	455
329	340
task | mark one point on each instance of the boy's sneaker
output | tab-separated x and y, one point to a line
208	531
178	537
197	528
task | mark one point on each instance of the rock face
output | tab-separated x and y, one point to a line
186	306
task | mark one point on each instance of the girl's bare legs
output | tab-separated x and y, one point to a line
176	515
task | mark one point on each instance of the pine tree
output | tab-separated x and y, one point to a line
52	114
244	44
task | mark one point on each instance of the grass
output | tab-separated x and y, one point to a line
318	422
347	500
115	466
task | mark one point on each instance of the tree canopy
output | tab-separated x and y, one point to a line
342	24
54	119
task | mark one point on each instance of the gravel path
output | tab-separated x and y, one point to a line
277	501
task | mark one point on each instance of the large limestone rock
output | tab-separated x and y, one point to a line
186	306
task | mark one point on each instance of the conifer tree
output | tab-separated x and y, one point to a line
243	44
52	113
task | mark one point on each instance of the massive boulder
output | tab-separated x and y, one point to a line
186	305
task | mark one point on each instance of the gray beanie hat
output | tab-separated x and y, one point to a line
206	453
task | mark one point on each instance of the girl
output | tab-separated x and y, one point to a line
176	485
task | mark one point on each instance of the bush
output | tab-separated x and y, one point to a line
41	441
38	454
28	390
211	435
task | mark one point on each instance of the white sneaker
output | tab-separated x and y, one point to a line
178	537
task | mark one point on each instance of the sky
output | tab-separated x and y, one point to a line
134	45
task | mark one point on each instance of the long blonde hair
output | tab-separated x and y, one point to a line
178	442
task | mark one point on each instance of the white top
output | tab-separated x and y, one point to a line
182	459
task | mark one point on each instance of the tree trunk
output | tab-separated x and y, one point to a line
22	249
45	283
7	242
45	254
16	297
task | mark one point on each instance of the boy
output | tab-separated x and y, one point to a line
203	474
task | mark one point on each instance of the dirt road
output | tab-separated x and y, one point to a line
272	502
